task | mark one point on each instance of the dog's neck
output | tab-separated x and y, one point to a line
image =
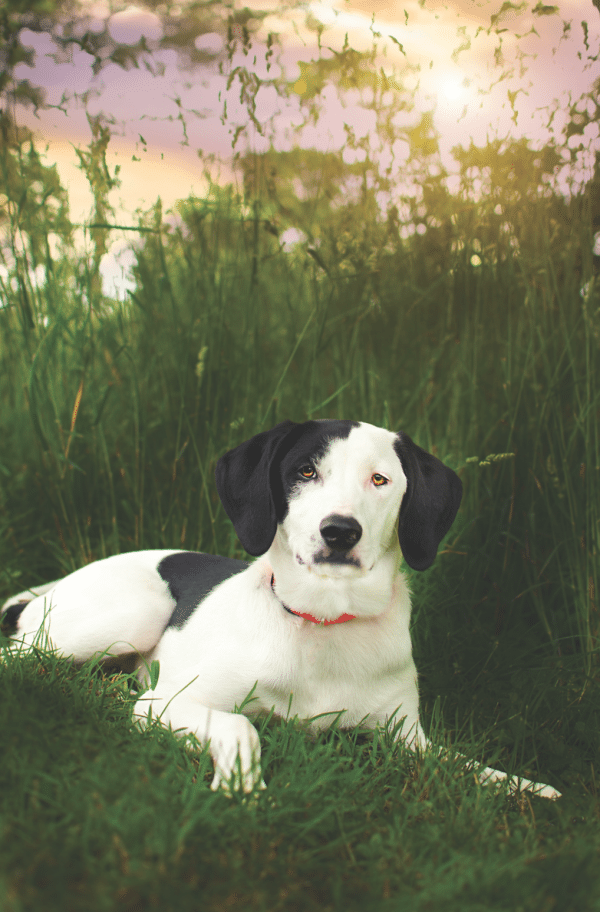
310	617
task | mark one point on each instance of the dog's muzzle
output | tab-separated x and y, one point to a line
340	534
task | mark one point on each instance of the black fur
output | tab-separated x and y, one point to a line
10	617
191	576
429	506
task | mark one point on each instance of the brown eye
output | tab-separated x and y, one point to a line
379	480
307	471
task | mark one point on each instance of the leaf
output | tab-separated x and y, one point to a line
400	45
465	46
542	10
507	7
154	673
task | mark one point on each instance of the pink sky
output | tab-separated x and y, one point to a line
143	105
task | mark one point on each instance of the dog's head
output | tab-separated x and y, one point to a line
337	491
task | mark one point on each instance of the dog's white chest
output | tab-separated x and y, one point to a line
325	672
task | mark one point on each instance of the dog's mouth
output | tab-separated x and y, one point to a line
331	563
337	558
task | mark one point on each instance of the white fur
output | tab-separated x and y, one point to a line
241	638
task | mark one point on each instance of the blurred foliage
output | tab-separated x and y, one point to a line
34	212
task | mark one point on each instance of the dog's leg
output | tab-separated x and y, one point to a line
231	738
516	784
486	775
413	736
116	606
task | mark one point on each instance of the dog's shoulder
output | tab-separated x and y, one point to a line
191	576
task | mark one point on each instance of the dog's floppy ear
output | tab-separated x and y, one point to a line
429	505
244	484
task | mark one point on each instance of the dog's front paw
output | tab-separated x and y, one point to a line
237	783
235	749
232	740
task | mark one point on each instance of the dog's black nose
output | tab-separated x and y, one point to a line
340	532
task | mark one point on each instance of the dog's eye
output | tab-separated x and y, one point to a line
307	471
379	480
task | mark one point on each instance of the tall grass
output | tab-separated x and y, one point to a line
115	411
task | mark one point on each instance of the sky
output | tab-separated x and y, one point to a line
451	42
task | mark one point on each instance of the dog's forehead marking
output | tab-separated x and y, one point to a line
336	448
316	439
364	445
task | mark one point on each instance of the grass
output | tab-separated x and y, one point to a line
113	416
97	815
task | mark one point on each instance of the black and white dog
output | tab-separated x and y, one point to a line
318	625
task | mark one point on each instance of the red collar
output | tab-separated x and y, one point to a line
309	617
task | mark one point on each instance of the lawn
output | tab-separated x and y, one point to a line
98	816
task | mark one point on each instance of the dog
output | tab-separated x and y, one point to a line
317	627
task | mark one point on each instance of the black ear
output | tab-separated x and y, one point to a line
244	484
429	506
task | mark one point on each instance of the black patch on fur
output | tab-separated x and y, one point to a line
255	479
191	576
10	618
430	504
